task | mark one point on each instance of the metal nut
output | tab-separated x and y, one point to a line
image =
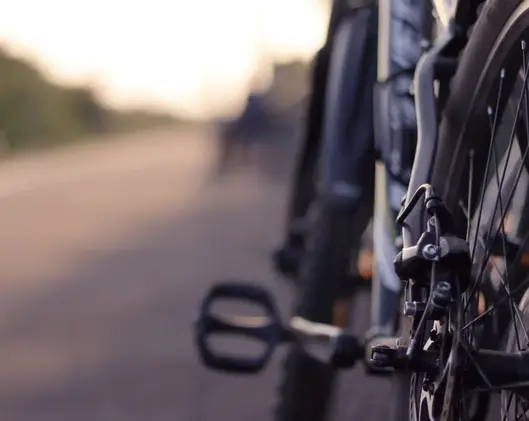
429	251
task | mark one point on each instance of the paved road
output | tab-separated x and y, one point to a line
105	251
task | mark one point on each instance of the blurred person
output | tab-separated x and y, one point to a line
238	137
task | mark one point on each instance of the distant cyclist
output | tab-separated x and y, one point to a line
238	137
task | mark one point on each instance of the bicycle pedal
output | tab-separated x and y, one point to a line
379	355
265	329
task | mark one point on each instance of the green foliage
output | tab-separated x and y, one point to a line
34	112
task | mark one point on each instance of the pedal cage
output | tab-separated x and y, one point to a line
267	329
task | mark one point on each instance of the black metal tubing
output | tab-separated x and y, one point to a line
500	370
427	133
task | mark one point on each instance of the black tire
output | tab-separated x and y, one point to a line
455	132
335	231
288	256
303	189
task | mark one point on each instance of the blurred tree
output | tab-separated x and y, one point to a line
87	109
35	112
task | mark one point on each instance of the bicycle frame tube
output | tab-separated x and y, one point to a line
404	26
400	45
404	34
449	14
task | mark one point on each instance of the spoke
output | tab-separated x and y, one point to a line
476	365
513	307
469	198
510	173
518	288
524	412
500	387
515	311
504	417
489	154
524	415
463	209
511	142
509	199
506	285
526	121
520	250
464	411
499	185
484	184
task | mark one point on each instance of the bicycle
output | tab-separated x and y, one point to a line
460	274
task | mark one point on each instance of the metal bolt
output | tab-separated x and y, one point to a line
413	308
443	286
410	308
441	295
429	251
398	242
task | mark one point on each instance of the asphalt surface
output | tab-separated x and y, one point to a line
105	251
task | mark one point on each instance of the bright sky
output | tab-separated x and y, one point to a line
192	56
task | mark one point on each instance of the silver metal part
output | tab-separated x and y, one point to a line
429	251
